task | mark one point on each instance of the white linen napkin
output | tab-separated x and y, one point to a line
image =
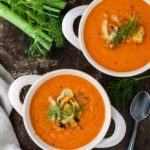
4	101
5	80
8	140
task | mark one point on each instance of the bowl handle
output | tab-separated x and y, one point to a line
67	25
15	89
119	133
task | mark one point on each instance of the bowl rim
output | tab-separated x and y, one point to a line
99	67
41	80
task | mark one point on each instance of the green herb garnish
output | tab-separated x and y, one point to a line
124	31
65	110
54	113
121	90
64	116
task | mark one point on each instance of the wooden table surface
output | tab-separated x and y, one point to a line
12	47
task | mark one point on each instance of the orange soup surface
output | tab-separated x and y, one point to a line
124	57
91	118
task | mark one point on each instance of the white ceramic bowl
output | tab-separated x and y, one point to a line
35	80
67	27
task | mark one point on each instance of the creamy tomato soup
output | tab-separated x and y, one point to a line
62	93
125	45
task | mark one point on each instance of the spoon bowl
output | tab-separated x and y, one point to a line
140	107
139	110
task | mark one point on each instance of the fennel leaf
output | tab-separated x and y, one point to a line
121	90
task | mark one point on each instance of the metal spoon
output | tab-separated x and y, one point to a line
139	110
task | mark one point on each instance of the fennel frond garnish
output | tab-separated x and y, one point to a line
65	110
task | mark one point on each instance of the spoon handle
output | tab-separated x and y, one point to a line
132	141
